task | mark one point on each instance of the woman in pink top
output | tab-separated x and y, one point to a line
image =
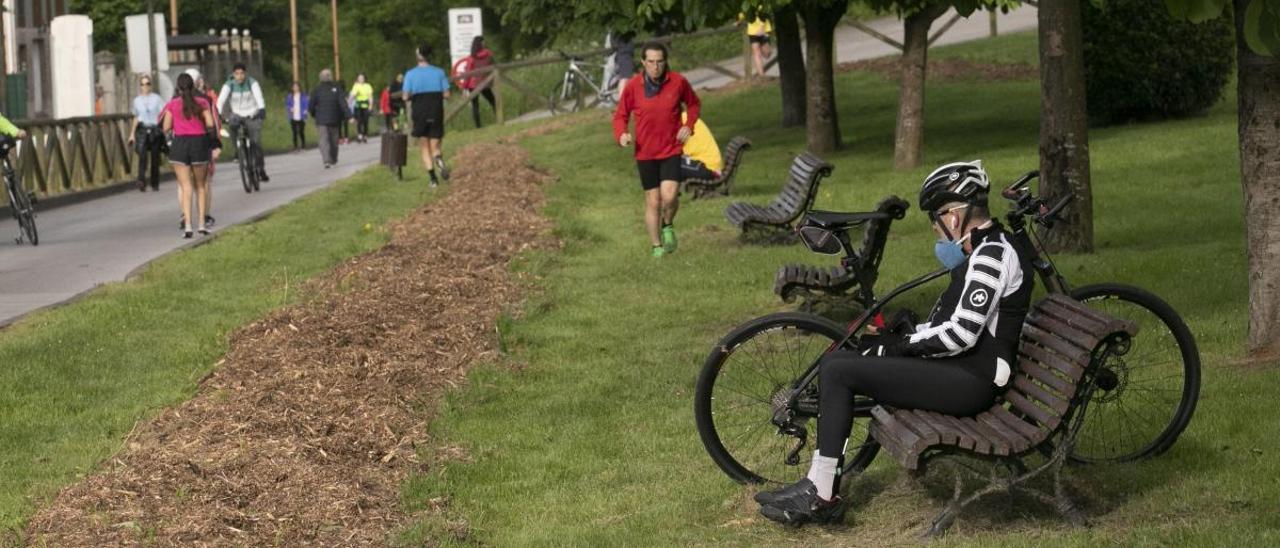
189	120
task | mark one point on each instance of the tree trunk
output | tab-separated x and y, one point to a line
1258	91
908	143
820	20
1064	137
786	27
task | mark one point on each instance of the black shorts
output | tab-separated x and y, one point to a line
653	172
189	150
428	115
762	39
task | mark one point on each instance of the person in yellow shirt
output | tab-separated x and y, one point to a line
758	34
701	158
362	94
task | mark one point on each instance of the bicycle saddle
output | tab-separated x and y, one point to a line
837	221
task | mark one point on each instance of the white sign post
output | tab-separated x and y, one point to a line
139	43
464	25
71	42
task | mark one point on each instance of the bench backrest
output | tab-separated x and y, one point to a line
733	157
807	170
1058	340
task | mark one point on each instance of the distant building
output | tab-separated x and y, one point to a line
29	80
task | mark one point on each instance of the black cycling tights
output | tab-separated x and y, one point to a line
912	383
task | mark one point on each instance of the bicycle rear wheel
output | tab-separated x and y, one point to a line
1146	397
567	97
747	378
22	209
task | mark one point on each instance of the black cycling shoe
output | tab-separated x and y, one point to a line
770	497
262	176
805	507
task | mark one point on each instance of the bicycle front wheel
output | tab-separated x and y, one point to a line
245	165
747	378
23	211
1145	398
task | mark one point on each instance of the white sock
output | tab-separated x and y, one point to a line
822	472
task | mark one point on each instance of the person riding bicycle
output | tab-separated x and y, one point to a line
245	110
957	362
7	128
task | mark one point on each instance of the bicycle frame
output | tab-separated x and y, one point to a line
602	92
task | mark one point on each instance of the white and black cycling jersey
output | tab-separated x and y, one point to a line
980	314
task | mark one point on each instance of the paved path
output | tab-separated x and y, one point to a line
103	240
855	45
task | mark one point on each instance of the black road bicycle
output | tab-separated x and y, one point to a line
20	201
245	158
756	401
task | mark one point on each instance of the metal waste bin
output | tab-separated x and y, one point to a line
395	148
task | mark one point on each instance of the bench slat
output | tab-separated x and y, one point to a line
1046	339
893	446
978	442
1038	393
1028	430
1051	360
999	445
1045	418
947	434
1045	374
1063	330
897	434
928	436
1016	442
1073	316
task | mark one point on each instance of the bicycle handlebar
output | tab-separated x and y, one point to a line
1011	192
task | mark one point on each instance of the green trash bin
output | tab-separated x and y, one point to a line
15	96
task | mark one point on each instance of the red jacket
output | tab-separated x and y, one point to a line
657	117
384	102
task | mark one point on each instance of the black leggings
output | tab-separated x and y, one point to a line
941	385
475	104
299	133
362	121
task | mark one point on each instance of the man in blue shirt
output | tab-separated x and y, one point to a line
425	89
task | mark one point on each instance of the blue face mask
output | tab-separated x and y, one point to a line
949	253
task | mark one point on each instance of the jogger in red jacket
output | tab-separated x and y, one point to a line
656	97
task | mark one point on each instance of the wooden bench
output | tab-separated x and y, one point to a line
796	197
856	272
1040	414
701	188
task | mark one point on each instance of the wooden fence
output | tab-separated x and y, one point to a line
74	154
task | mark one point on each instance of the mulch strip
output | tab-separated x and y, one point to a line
306	430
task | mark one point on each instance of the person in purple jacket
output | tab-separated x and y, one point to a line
295	105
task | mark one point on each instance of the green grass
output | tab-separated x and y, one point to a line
592	442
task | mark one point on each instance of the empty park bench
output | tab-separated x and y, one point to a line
855	278
796	197
701	188
1031	431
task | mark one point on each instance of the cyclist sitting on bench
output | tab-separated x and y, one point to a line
247	111
956	363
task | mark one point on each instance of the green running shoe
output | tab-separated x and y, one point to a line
658	251
669	239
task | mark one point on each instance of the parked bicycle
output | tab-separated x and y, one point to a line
756	400
21	202
568	94
245	158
